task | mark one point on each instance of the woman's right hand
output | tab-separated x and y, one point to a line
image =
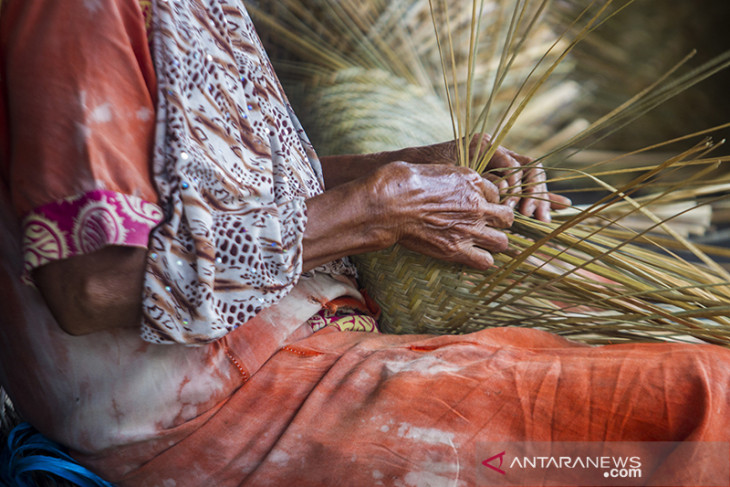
443	211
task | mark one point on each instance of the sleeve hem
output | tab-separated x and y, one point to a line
85	223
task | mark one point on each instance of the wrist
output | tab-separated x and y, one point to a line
408	154
382	204
391	188
346	220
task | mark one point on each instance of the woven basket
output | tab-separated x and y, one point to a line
418	294
422	295
368	110
373	68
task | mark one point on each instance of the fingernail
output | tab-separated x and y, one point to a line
512	202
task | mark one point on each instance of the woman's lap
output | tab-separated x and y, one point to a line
344	408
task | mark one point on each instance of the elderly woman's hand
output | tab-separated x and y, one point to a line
520	180
419	198
444	211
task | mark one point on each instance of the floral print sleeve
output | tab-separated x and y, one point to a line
77	160
85	223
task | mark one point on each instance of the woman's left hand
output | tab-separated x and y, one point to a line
521	182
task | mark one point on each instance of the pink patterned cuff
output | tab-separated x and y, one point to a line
85	223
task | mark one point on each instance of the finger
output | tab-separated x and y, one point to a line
529	204
479	145
498	216
511	170
464	252
526	163
536	208
490	189
558	202
535	202
502	186
537	205
503	161
474	257
542	212
504	189
553	202
491	239
522	159
504	164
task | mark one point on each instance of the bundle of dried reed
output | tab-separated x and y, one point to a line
635	48
388	53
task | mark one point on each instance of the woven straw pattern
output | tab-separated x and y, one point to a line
422	295
386	54
372	111
548	291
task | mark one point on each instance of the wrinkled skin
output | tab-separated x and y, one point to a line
416	197
521	182
446	212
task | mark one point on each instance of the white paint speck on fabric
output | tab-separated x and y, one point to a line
431	436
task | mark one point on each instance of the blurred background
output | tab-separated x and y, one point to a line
640	44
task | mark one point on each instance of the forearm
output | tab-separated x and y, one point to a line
97	291
345	168
103	290
439	210
342	169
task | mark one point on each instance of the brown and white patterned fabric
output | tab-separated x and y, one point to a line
233	168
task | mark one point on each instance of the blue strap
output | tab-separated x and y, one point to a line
28	452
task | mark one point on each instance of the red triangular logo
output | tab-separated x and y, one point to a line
487	463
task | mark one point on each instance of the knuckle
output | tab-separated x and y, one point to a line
395	171
481	141
470	176
401	166
406	172
502	217
451	250
509	219
508	216
467	172
473	200
492	190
